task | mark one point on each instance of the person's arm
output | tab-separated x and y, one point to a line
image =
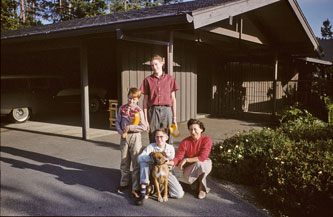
179	154
144	156
118	122
145	110
174	108
187	160
205	148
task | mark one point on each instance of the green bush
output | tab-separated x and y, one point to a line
329	107
291	165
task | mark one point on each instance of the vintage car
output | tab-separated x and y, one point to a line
24	95
71	98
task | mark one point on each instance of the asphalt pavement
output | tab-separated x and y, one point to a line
58	175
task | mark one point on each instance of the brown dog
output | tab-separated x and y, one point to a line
160	174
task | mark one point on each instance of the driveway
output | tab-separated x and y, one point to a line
48	174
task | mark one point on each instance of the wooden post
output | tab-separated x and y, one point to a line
170	54
274	84
84	90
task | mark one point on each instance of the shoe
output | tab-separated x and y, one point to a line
202	195
120	189
139	201
134	194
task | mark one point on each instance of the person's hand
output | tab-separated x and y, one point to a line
182	163
148	127
125	131
170	162
174	121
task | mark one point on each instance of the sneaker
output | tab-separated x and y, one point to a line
120	189
202	195
139	201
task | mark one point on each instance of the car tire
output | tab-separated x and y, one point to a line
94	105
20	115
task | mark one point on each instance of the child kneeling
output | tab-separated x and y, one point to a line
175	189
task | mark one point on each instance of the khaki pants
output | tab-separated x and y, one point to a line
194	170
130	148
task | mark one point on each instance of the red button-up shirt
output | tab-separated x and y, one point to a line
194	148
159	89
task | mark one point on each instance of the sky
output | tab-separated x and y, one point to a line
316	12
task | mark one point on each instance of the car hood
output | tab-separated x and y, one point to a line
100	92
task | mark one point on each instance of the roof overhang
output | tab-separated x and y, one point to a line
212	15
317	61
132	24
257	23
260	22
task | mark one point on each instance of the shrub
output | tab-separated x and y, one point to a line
292	165
329	107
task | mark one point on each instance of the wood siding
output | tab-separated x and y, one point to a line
135	66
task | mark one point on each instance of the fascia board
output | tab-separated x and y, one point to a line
212	15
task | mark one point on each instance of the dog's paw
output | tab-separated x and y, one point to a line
160	199
165	199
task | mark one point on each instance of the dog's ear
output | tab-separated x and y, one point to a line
164	154
152	154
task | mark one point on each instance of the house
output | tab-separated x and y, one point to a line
228	56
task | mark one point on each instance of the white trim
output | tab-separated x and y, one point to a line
315	60
212	15
294	5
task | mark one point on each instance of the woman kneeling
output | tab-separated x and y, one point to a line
192	156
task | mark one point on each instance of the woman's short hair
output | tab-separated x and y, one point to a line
134	92
162	129
195	121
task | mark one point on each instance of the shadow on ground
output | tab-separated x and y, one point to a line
68	172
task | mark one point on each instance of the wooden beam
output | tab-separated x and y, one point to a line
84	90
276	66
37	46
198	37
234	34
212	15
121	36
240	30
170	54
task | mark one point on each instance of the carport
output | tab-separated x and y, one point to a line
226	55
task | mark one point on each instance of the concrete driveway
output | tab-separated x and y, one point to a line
53	174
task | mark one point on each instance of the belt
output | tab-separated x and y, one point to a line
153	106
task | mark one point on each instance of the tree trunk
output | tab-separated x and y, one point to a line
70	9
109	6
22	11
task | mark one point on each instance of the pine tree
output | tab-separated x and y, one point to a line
9	18
326	30
21	13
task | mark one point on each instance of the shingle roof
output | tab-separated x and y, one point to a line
116	18
327	45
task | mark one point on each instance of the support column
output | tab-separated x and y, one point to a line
274	84
170	54
84	90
